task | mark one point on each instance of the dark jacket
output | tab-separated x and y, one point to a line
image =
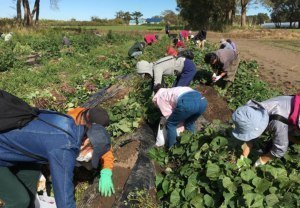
138	46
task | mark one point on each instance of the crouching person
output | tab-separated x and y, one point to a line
179	105
136	50
183	68
224	63
278	115
23	150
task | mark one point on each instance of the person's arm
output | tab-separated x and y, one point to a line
158	71
62	163
107	160
280	137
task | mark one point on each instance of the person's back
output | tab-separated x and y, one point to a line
150	38
167	66
137	49
40	143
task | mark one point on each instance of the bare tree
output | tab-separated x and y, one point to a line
28	14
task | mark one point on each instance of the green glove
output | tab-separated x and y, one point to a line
106	186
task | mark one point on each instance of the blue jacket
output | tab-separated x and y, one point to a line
54	145
187	74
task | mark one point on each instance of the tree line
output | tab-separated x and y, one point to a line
216	14
212	14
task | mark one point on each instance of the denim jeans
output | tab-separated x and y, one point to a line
189	107
55	146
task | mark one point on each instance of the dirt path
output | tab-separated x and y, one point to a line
279	67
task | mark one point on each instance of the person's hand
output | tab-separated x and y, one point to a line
262	160
106	186
246	147
215	79
259	162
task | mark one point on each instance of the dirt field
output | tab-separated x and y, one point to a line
279	65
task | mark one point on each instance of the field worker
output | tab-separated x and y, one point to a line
225	63
66	41
22	151
150	38
232	44
225	45
178	44
137	49
184	35
171	51
8	37
200	38
184	68
100	117
278	115
179	105
167	28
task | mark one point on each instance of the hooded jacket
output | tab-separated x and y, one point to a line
280	105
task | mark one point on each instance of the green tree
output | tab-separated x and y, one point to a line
170	16
136	16
262	18
286	10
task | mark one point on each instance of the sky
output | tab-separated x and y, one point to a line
85	9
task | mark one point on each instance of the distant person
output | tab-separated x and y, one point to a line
178	44
182	67
150	38
184	35
232	44
7	37
200	39
66	41
137	49
167	28
225	63
225	45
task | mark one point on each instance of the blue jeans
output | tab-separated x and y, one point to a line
189	107
55	146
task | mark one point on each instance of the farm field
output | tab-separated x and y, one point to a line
204	170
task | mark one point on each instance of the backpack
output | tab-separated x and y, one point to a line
14	112
293	119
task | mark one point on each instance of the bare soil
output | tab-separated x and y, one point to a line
279	66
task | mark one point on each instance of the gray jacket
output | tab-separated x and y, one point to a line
280	105
168	65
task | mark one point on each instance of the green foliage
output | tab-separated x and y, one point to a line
247	86
206	172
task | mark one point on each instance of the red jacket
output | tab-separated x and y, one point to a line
150	38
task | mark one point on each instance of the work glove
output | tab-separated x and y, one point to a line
106	186
216	78
259	162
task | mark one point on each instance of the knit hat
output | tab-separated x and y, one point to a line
98	115
249	122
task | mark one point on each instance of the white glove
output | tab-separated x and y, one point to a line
258	162
217	78
214	75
